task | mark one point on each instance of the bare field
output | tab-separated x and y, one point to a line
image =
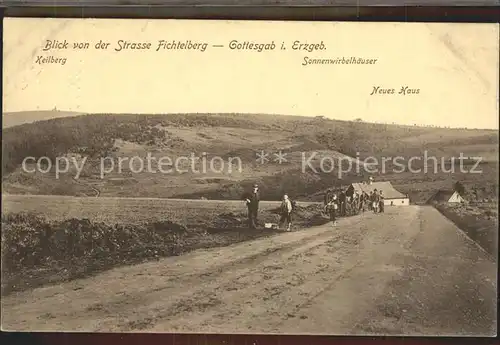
52	239
113	210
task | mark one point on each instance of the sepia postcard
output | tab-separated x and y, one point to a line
270	177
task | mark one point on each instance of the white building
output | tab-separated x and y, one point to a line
447	196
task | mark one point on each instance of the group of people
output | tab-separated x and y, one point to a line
336	204
252	201
339	204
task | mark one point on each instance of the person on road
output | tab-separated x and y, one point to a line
252	201
361	205
370	201
342	203
286	213
355	203
375	201
362	202
349	205
333	206
327	197
381	202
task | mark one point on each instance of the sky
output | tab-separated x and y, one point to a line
454	67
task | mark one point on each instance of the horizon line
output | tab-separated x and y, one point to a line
325	117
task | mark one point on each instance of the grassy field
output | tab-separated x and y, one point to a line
478	220
50	239
190	213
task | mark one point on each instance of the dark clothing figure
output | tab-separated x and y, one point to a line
361	203
252	217
342	197
252	200
342	201
381	204
332	210
328	196
333	214
348	203
355	204
286	217
376	202
371	200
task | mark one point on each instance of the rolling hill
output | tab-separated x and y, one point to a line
19	118
230	142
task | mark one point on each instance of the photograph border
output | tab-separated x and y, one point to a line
410	14
447	14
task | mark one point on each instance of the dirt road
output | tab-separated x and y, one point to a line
408	271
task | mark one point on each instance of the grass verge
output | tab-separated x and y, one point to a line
37	251
479	221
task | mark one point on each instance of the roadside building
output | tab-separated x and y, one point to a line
448	196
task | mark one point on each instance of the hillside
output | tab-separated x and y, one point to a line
227	136
19	118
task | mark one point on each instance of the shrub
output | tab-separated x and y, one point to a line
29	240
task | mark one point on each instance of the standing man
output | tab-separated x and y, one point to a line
381	202
342	201
370	201
252	201
286	212
332	209
355	203
376	201
327	197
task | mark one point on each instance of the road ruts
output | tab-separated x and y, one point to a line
408	271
